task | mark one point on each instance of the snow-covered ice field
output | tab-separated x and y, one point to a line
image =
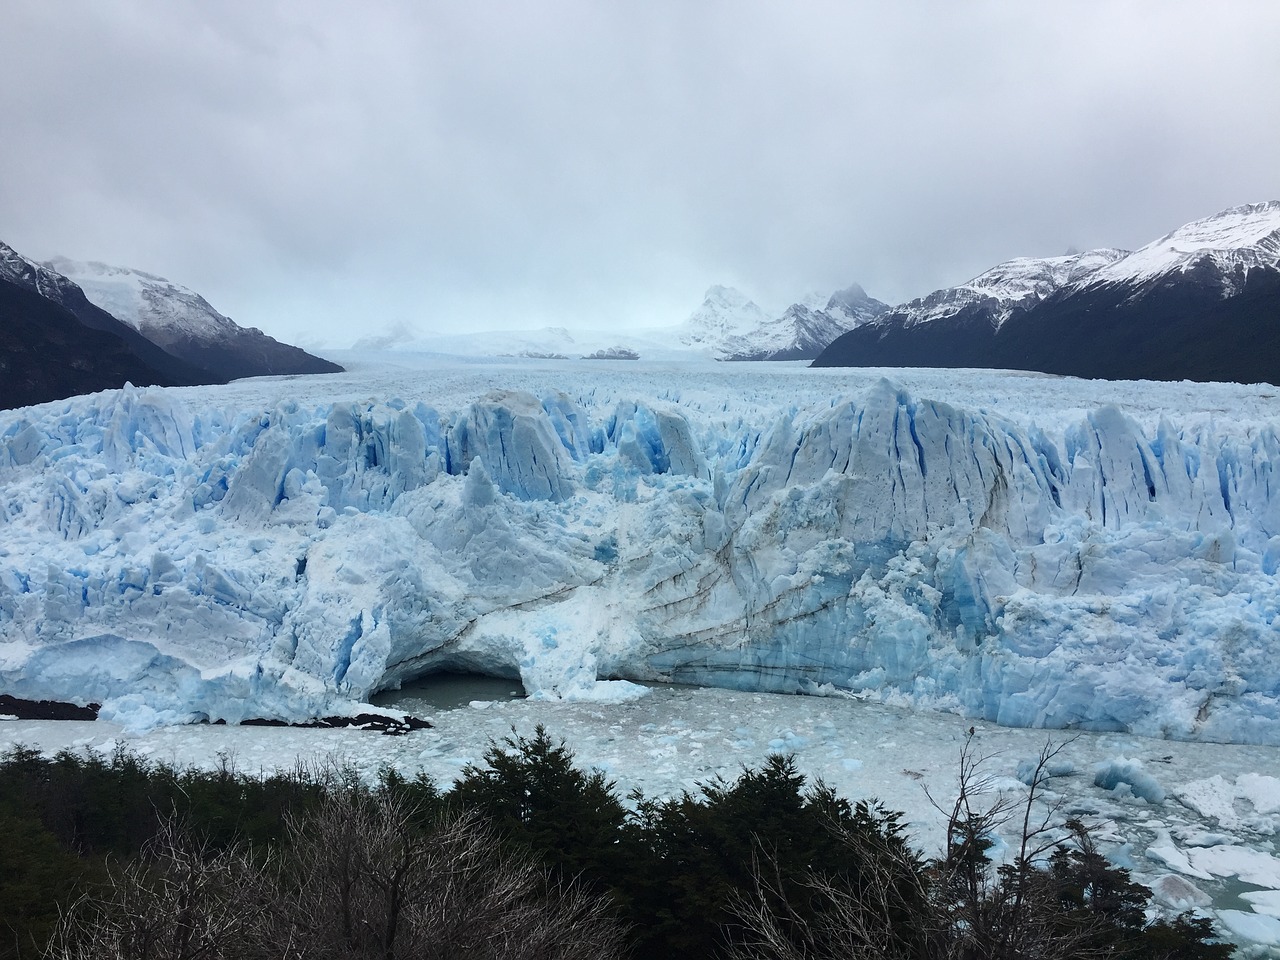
1032	550
1209	843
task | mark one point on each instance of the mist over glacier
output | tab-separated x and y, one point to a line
1029	550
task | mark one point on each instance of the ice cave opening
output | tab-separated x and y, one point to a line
449	690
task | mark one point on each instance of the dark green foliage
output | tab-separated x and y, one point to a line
675	866
75	812
1108	908
706	850
531	791
39	878
766	866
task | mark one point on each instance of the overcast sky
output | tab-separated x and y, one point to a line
324	170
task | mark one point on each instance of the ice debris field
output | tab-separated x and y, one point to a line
1197	822
1034	551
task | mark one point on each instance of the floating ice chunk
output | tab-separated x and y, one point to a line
1178	893
1118	771
1211	797
1261	791
1251	926
1056	767
1264	901
1167	852
1251	866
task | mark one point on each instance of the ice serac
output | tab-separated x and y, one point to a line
178	560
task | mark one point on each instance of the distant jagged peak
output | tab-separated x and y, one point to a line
718	292
854	304
46	282
854	293
724	312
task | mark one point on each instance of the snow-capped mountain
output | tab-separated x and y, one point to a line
1202	303
184	324
806	329
55	343
1007	288
727	325
724	313
854	306
1229	244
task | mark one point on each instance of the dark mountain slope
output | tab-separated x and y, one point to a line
1201	303
46	353
185	324
1180	328
167	369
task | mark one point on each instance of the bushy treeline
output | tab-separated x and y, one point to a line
528	855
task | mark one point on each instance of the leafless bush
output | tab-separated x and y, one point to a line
879	917
962	907
1010	910
369	884
359	880
179	900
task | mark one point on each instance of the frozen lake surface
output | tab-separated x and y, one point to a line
1215	827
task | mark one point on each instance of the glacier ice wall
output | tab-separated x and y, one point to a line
174	559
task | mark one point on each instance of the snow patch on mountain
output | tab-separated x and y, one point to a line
723	313
48	283
164	312
1006	288
806	328
1233	241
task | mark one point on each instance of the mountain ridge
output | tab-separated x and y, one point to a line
57	342
185	324
1200	303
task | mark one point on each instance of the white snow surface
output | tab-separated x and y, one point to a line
540	344
162	311
724	313
1035	551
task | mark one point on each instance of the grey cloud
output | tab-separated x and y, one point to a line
310	167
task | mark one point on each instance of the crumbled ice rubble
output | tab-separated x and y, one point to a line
675	738
1030	550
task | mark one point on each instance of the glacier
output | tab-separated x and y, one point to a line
1034	551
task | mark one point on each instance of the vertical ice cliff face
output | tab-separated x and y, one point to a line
178	561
